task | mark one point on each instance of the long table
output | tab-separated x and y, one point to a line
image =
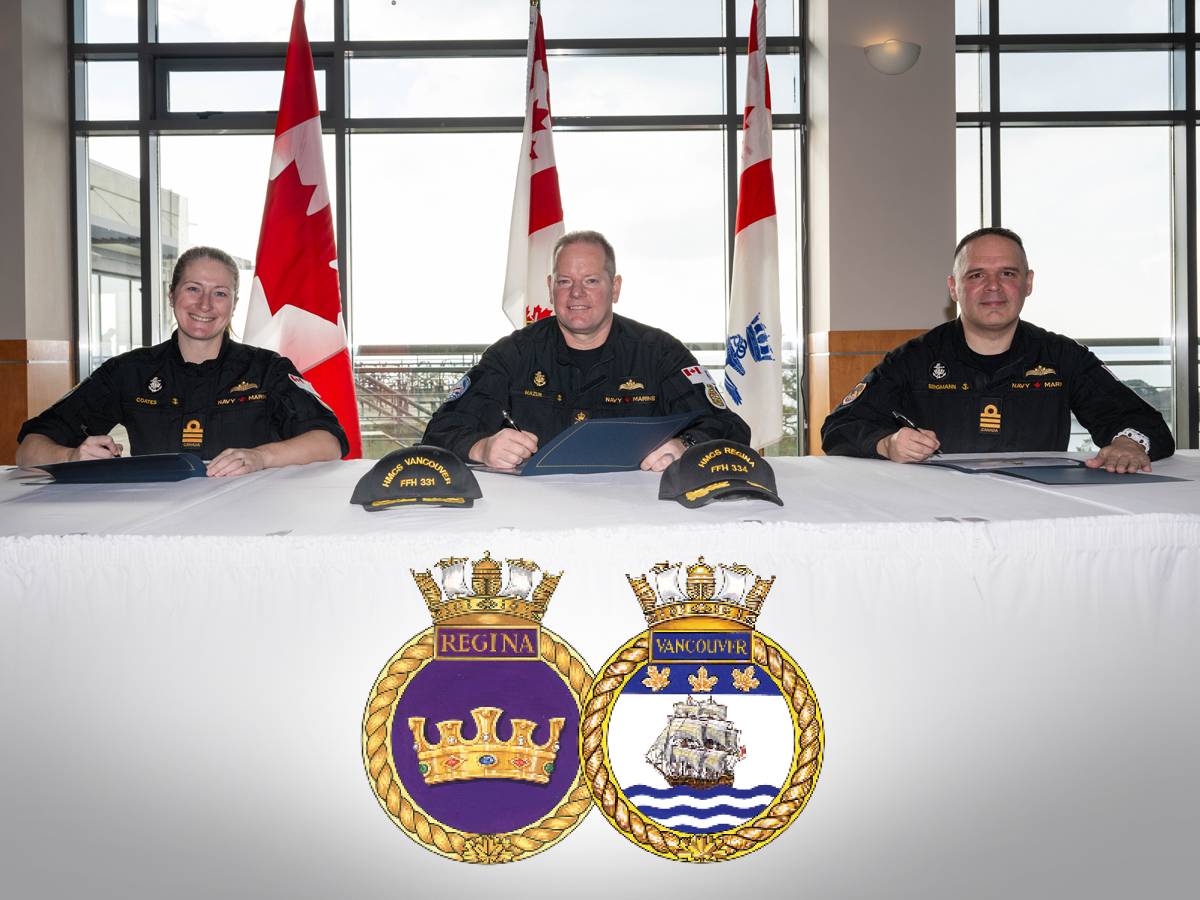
1008	676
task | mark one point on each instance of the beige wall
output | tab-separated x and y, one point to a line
882	182
36	320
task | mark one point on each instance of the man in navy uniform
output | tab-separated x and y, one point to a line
992	382
583	362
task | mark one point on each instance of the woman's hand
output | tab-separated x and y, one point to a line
235	461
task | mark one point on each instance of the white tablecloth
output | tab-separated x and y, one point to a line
1008	675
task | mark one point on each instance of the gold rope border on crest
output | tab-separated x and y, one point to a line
427	831
609	796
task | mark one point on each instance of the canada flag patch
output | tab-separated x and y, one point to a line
698	375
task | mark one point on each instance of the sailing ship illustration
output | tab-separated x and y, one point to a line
699	747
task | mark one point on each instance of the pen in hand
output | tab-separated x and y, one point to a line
509	419
908	423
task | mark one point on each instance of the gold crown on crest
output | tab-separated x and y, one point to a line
483	589
671	591
454	759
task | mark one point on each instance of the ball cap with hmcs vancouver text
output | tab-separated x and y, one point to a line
418	476
718	470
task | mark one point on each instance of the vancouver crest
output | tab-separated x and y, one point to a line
702	739
471	732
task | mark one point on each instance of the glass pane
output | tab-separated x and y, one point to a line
1083	16
971	16
972	149
509	19
783	17
114	226
463	176
401	88
971	82
222	210
111	22
665	220
230	91
633	18
784	69
635	85
238	20
1090	200
1042	82
112	90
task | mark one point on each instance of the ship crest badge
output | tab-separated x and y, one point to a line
471	732
702	737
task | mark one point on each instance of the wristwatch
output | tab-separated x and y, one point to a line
1134	435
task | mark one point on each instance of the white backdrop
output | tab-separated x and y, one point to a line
1010	705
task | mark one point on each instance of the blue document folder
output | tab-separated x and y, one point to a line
605	445
126	469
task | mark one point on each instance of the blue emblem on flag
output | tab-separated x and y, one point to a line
756	342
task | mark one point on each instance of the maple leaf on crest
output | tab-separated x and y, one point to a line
656	680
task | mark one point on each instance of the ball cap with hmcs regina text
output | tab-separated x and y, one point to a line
718	470
418	476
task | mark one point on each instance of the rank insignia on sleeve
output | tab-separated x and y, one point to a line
193	434
853	395
471	732
539	378
702	737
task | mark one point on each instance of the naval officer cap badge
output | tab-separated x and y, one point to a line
471	732
418	476
718	470
702	737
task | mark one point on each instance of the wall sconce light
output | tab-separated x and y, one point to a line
892	57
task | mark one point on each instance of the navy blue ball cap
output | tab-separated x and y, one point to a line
417	476
718	470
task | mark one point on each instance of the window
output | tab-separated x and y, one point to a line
1075	130
422	106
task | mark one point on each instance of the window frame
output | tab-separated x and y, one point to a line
1183	118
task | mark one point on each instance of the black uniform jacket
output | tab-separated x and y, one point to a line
529	373
1026	406
245	397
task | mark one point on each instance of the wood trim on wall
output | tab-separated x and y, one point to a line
33	374
837	361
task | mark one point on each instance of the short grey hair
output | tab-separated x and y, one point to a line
594	238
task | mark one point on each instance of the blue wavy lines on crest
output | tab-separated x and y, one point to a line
695	811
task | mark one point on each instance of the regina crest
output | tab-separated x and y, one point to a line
702	737
471	732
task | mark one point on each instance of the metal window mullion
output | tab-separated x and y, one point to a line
150	228
731	149
337	103
994	108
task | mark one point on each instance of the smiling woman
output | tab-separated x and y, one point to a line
241	407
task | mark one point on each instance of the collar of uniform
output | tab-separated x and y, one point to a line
608	348
209	365
1019	348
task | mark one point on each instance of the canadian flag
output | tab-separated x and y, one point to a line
537	216
295	301
753	371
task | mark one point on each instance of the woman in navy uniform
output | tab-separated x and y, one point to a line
241	407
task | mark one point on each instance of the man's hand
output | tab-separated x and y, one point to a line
661	457
235	461
99	446
505	449
908	445
1124	454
